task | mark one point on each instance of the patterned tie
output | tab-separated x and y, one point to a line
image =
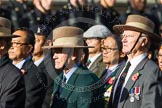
63	81
120	84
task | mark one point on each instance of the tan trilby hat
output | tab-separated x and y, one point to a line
68	37
140	24
5	28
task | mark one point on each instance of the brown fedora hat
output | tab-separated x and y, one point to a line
140	24
68	37
5	28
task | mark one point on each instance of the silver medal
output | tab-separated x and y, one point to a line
131	99
137	97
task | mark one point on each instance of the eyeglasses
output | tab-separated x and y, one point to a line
17	44
106	48
127	36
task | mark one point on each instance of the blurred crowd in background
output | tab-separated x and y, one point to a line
26	13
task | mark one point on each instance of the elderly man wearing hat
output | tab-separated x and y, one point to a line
139	81
74	87
93	37
12	89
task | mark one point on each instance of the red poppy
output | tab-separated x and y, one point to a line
135	76
23	71
111	80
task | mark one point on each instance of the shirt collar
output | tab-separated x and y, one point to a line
135	61
38	62
20	64
93	59
68	75
112	69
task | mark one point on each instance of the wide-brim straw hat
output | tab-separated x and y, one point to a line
140	24
68	37
5	28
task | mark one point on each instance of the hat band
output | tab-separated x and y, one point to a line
68	41
4	31
140	25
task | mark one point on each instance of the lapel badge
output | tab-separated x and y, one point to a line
135	76
23	71
131	94
137	92
111	80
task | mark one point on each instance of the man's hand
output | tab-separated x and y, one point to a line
43	5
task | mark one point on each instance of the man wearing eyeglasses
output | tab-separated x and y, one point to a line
138	83
93	37
113	57
20	53
12	85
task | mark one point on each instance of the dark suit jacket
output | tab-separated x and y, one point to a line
78	92
98	66
150	83
35	85
12	85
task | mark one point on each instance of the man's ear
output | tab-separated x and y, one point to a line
122	54
2	45
30	48
73	58
144	41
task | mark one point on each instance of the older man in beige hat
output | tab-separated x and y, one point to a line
139	81
12	87
74	87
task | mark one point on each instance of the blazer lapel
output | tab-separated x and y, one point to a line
57	83
95	64
130	82
70	85
118	72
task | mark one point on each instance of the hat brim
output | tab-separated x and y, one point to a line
121	28
9	36
61	46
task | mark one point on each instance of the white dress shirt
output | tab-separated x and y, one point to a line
20	64
37	63
68	75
